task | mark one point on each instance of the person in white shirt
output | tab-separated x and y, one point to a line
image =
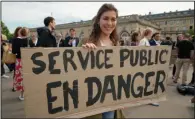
145	42
146	36
33	40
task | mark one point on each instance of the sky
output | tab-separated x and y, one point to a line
32	14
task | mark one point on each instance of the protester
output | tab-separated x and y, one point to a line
33	40
16	34
146	36
184	51
135	39
104	33
167	42
46	38
72	40
179	38
155	39
59	40
17	44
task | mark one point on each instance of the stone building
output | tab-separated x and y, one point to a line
173	23
126	26
169	24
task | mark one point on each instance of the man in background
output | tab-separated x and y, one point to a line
72	40
184	50
45	36
167	41
179	38
33	40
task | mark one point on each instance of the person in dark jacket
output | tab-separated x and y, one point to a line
155	39
17	44
33	40
46	39
167	41
72	40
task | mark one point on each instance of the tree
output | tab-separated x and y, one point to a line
5	30
191	31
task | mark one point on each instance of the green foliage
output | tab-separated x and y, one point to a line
5	31
191	31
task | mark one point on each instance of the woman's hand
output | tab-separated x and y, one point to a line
89	46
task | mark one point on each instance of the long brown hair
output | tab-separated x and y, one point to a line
24	32
146	32
134	36
95	34
16	31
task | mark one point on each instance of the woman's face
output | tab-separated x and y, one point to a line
108	22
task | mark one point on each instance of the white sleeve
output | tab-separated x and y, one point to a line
142	43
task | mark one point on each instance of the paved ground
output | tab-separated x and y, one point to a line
176	106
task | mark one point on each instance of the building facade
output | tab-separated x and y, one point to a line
125	27
173	23
168	24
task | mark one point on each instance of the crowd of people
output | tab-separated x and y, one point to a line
104	33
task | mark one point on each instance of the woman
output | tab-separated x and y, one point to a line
16	34
146	37
135	39
147	34
18	43
104	33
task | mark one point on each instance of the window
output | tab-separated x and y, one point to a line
171	22
184	28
